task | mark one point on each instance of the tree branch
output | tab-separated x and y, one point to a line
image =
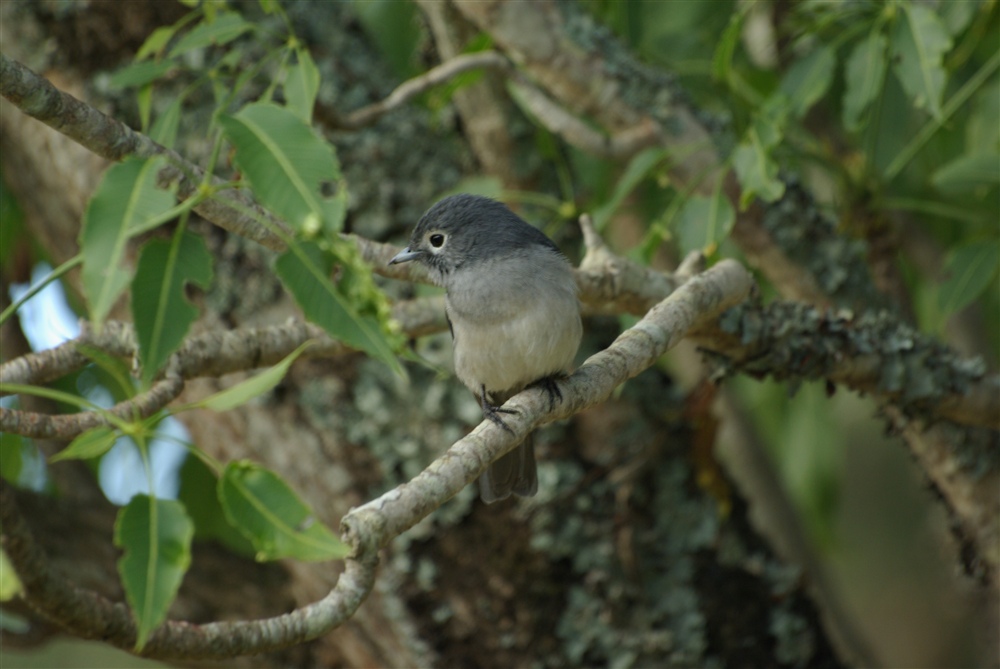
413	87
636	349
114	140
88	615
68	426
370	527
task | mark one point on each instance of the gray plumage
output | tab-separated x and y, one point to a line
511	301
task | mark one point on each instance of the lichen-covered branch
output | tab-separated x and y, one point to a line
370	527
701	298
871	353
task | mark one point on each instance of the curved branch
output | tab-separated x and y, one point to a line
68	426
370	527
88	615
636	349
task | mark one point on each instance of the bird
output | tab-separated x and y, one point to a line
513	311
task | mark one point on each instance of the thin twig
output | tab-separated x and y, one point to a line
413	87
68	426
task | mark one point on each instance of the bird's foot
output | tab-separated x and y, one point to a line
550	385
493	411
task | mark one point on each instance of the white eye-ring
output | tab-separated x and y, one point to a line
436	240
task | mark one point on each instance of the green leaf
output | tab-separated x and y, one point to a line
164	130
226	27
486	186
809	78
971	269
958	15
392	26
757	171
156	42
115	374
305	270
197	492
919	43
968	173
141	73
90	444
10	584
255	386
864	75
638	168
127	198
155	535
11	455
287	164
269	513
160	307
722	60
703	222
302	85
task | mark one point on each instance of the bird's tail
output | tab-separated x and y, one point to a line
515	473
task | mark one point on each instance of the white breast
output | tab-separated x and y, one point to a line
514	321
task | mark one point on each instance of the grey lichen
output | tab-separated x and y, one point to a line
795	640
794	341
809	237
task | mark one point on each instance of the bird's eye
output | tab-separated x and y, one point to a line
436	240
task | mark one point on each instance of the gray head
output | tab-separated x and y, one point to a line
464	229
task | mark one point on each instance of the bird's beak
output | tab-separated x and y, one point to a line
406	255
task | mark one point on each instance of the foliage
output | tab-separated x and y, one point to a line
891	106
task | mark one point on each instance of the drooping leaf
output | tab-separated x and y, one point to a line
144	98
226	27
390	25
809	78
90	444
486	186
269	513
155	535
638	168
156	42
302	85
971	269
255	386
864	74
757	171
919	43
957	15
722	59
968	173
11	455
304	269
126	199
10	584
197	491
287	164
703	222
161	310
164	130
141	73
